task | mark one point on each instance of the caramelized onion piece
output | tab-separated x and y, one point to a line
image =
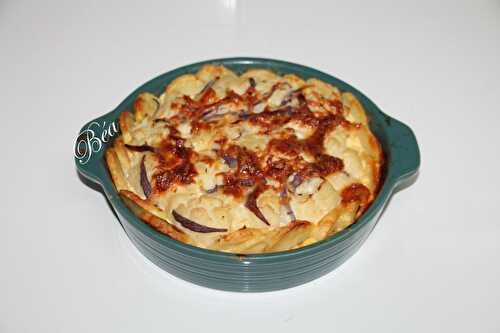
145	184
287	99
285	201
296	181
251	204
271	91
193	226
290	213
141	149
252	82
246	182
206	87
215	113
211	114
158	105
231	161
294	93
161	120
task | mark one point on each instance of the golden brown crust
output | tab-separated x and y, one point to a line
246	164
115	170
142	209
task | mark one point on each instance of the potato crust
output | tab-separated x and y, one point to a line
253	163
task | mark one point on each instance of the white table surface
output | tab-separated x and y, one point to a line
432	263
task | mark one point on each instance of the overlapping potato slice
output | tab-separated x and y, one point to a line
200	212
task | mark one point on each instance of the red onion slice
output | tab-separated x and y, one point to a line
251	204
216	113
145	184
140	149
252	82
206	87
293	94
231	161
246	182
286	204
296	181
193	226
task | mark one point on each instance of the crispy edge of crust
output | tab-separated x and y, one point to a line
260	73
125	121
145	105
376	165
313	82
209	72
205	74
245	240
354	102
115	170
143	209
294	79
291	235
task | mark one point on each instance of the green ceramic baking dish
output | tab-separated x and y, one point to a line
259	272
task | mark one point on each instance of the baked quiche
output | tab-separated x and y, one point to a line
248	163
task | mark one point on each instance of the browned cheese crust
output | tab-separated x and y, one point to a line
246	164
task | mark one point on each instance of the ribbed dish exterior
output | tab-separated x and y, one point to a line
260	272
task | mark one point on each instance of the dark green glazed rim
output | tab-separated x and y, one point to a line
256	272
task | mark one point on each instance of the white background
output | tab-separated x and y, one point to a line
431	265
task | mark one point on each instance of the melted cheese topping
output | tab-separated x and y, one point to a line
219	153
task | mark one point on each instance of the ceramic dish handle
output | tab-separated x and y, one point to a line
91	143
404	154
